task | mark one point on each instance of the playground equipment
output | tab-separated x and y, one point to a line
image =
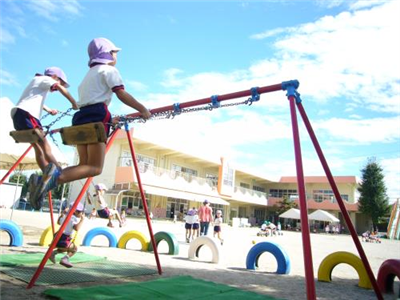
277	251
393	230
195	246
388	271
171	240
215	102
133	234
47	236
14	232
107	232
333	259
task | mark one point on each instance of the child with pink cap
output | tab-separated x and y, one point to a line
28	110
95	93
66	243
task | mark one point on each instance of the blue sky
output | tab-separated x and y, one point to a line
344	53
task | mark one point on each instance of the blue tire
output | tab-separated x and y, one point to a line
13	230
280	255
112	239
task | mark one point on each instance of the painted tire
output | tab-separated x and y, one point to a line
133	234
388	270
169	238
13	230
112	239
199	242
47	237
277	251
332	260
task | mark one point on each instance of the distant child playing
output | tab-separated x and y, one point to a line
217	226
104	212
28	110
95	93
65	243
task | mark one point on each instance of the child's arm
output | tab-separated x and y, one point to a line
67	95
129	100
49	110
79	225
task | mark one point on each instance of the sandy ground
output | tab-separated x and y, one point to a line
230	270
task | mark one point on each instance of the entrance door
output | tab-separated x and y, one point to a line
170	210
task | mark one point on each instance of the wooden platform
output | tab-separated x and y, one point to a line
28	136
91	133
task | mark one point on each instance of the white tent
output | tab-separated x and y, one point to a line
292	213
322	215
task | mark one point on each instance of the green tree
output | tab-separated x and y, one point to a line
23	181
57	192
373	201
284	205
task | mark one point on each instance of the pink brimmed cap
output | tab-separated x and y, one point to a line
100	49
58	72
80	207
101	187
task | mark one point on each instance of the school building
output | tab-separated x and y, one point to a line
174	182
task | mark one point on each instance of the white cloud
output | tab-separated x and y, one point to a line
53	11
136	85
351	55
6	78
377	130
391	170
6	37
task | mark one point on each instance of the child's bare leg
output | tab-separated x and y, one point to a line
90	164
40	157
46	148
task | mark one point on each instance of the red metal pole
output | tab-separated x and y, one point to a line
51	213
245	93
15	165
146	210
339	200
71	211
305	229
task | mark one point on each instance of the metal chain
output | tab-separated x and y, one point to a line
171	114
66	113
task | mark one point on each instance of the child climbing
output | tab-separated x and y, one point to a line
66	242
95	93
28	110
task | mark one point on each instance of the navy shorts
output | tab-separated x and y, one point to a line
104	213
64	241
23	120
188	226
217	228
196	226
93	113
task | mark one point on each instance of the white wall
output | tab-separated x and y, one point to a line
7	194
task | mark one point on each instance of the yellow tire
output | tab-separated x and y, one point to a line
133	234
47	237
342	257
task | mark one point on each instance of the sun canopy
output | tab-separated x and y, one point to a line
322	215
292	213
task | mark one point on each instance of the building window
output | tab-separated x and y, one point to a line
245	185
184	170
144	162
213	179
278	193
327	195
132	203
258	188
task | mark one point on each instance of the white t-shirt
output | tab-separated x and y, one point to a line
34	95
69	229
97	85
218	221
189	219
